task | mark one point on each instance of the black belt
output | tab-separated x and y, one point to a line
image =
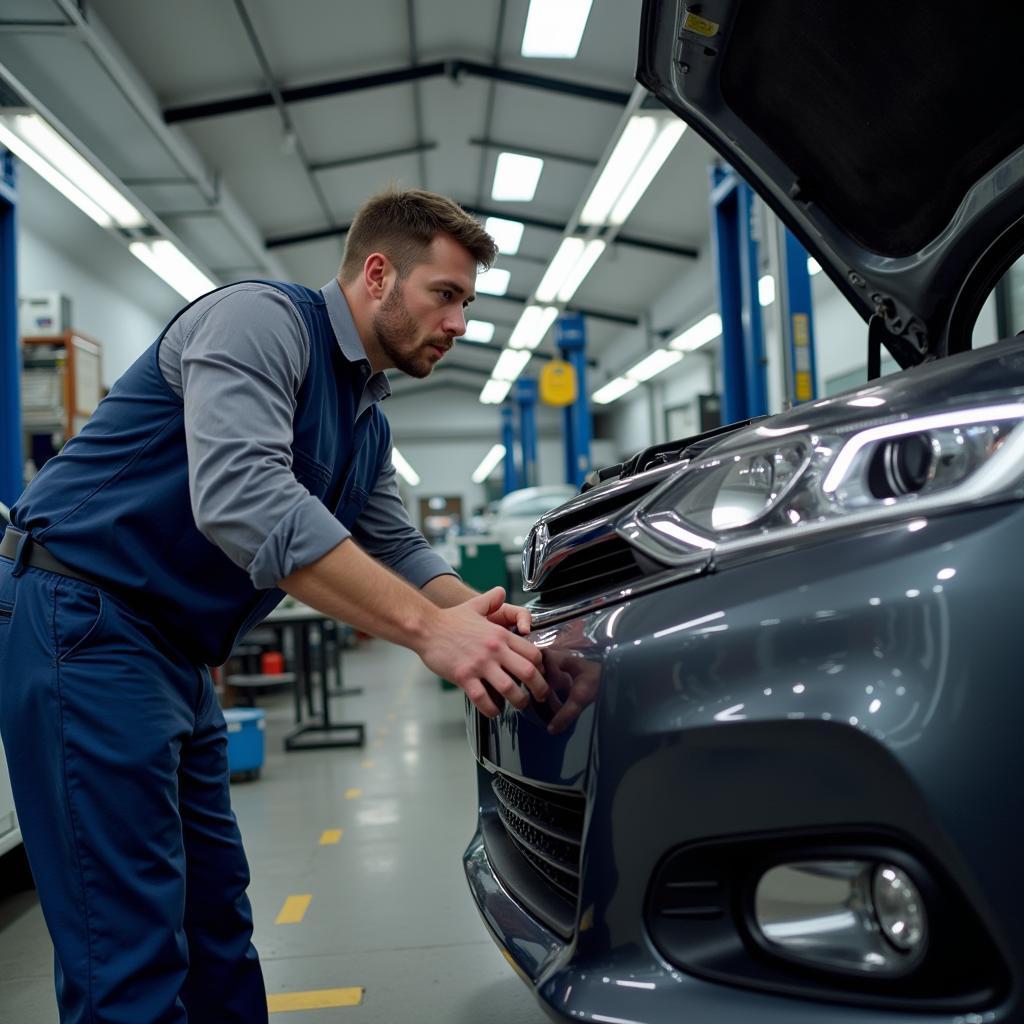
36	555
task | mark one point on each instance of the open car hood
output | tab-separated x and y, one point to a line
889	137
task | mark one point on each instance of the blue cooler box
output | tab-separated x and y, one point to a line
245	740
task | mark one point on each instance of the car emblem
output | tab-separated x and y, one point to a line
533	554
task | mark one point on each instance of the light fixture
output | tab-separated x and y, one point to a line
590	255
167	261
662	146
559	268
493	281
510	364
494	392
699	334
653	364
36	144
478	330
568	268
614	389
554	28
507	234
643	147
766	290
516	177
813	266
403	469
488	464
532	326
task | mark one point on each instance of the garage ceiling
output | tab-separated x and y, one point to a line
269	189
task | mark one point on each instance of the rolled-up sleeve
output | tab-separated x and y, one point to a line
384	530
242	364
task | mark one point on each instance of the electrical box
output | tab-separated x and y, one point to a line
45	315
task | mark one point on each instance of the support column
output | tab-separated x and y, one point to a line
11	455
571	338
799	321
736	265
508	439
526	400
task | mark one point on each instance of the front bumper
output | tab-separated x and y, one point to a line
867	685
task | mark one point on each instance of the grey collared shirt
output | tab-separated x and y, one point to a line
237	358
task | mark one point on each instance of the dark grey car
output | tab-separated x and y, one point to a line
779	779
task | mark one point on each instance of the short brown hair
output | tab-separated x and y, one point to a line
401	224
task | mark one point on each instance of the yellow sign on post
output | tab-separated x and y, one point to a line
558	383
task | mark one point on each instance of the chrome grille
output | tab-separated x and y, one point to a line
546	829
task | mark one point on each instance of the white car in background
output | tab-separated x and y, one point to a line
519	510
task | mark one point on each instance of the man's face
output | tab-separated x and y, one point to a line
419	318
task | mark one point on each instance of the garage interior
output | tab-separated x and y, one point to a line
244	135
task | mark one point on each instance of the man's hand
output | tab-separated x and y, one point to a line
511	616
471	645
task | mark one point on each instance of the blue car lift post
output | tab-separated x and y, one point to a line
736	269
526	400
11	462
571	338
508	440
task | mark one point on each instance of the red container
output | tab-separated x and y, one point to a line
271	663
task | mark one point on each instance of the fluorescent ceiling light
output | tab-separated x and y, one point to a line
510	364
167	261
479	330
32	140
699	334
659	152
614	389
618	171
591	254
494	392
532	327
766	290
653	364
493	281
507	234
403	469
559	268
813	266
516	177
554	28
488	464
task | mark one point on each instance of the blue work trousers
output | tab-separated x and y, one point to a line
117	751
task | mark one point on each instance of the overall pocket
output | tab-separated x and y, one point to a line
78	618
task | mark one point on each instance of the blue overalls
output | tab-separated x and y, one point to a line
116	745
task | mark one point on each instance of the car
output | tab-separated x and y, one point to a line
778	775
514	515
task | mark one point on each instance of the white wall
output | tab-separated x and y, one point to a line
98	308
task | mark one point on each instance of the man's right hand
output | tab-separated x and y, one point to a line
464	647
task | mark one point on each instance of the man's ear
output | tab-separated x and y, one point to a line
376	271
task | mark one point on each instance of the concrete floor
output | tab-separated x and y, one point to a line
390	912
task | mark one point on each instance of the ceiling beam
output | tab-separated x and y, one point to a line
365	158
453	69
544	154
690	252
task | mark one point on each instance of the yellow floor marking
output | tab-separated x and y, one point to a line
391	716
330	837
366	764
377	743
294	909
353	793
385	731
321	999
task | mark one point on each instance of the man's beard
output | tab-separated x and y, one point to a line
395	330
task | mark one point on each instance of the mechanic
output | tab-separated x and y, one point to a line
243	455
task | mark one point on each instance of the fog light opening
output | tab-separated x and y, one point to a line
857	916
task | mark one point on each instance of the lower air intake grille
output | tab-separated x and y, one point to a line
546	829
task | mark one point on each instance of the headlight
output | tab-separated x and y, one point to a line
792	479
